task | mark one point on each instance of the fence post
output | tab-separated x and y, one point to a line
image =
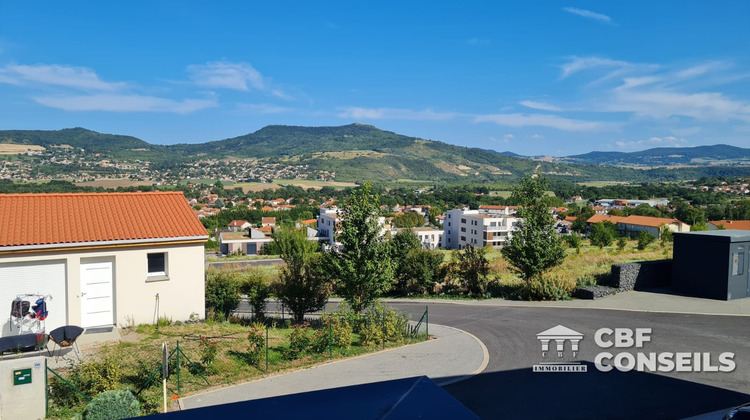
46	389
384	329
427	321
179	389
330	339
266	348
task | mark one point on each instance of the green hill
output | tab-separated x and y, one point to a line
356	152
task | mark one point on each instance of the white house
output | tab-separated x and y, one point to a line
105	259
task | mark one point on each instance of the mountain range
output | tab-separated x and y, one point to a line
357	152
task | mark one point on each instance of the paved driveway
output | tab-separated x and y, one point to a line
508	389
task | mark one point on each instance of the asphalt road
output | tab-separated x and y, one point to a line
509	389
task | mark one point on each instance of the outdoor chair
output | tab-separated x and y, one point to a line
66	336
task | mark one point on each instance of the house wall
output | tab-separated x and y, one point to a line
181	292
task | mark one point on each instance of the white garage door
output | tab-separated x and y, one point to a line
96	294
44	278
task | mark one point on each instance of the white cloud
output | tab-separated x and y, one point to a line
536	137
589	14
359	113
660	104
669	141
658	92
507	138
265	108
56	75
540	105
226	75
124	103
542	120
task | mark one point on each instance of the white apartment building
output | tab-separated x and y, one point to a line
478	228
429	238
327	223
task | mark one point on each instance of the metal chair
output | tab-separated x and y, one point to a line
66	336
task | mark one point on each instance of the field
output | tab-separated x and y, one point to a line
114	183
302	183
17	149
602	183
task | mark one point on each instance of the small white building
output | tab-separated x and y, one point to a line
105	259
429	238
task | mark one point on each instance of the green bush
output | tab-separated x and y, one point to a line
644	239
207	350
300	340
341	330
379	323
90	378
321	340
549	288
255	285
110	405
222	292
257	343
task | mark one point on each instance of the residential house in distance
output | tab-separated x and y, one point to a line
268	221
729	224
103	257
239	225
429	238
633	224
328	223
248	243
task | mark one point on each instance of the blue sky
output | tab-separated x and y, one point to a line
532	77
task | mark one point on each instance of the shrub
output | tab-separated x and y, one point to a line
418	271
255	285
257	343
222	292
111	405
321	340
644	239
341	330
207	350
573	241
603	234
380	323
549	288
300	341
621	242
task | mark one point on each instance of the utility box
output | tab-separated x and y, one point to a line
712	264
22	388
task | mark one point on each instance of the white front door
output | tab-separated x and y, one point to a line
96	294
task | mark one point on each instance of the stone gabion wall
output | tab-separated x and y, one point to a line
642	275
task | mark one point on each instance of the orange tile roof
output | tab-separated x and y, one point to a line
309	221
648	221
733	224
267	220
597	218
237	223
49	219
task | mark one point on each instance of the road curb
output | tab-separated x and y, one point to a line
480	369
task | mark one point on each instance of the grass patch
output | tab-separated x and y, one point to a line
137	358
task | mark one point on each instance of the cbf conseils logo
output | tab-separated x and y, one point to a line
623	349
556	355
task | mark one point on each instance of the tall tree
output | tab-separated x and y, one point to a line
303	286
534	247
362	267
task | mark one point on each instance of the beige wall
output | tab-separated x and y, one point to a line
134	296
